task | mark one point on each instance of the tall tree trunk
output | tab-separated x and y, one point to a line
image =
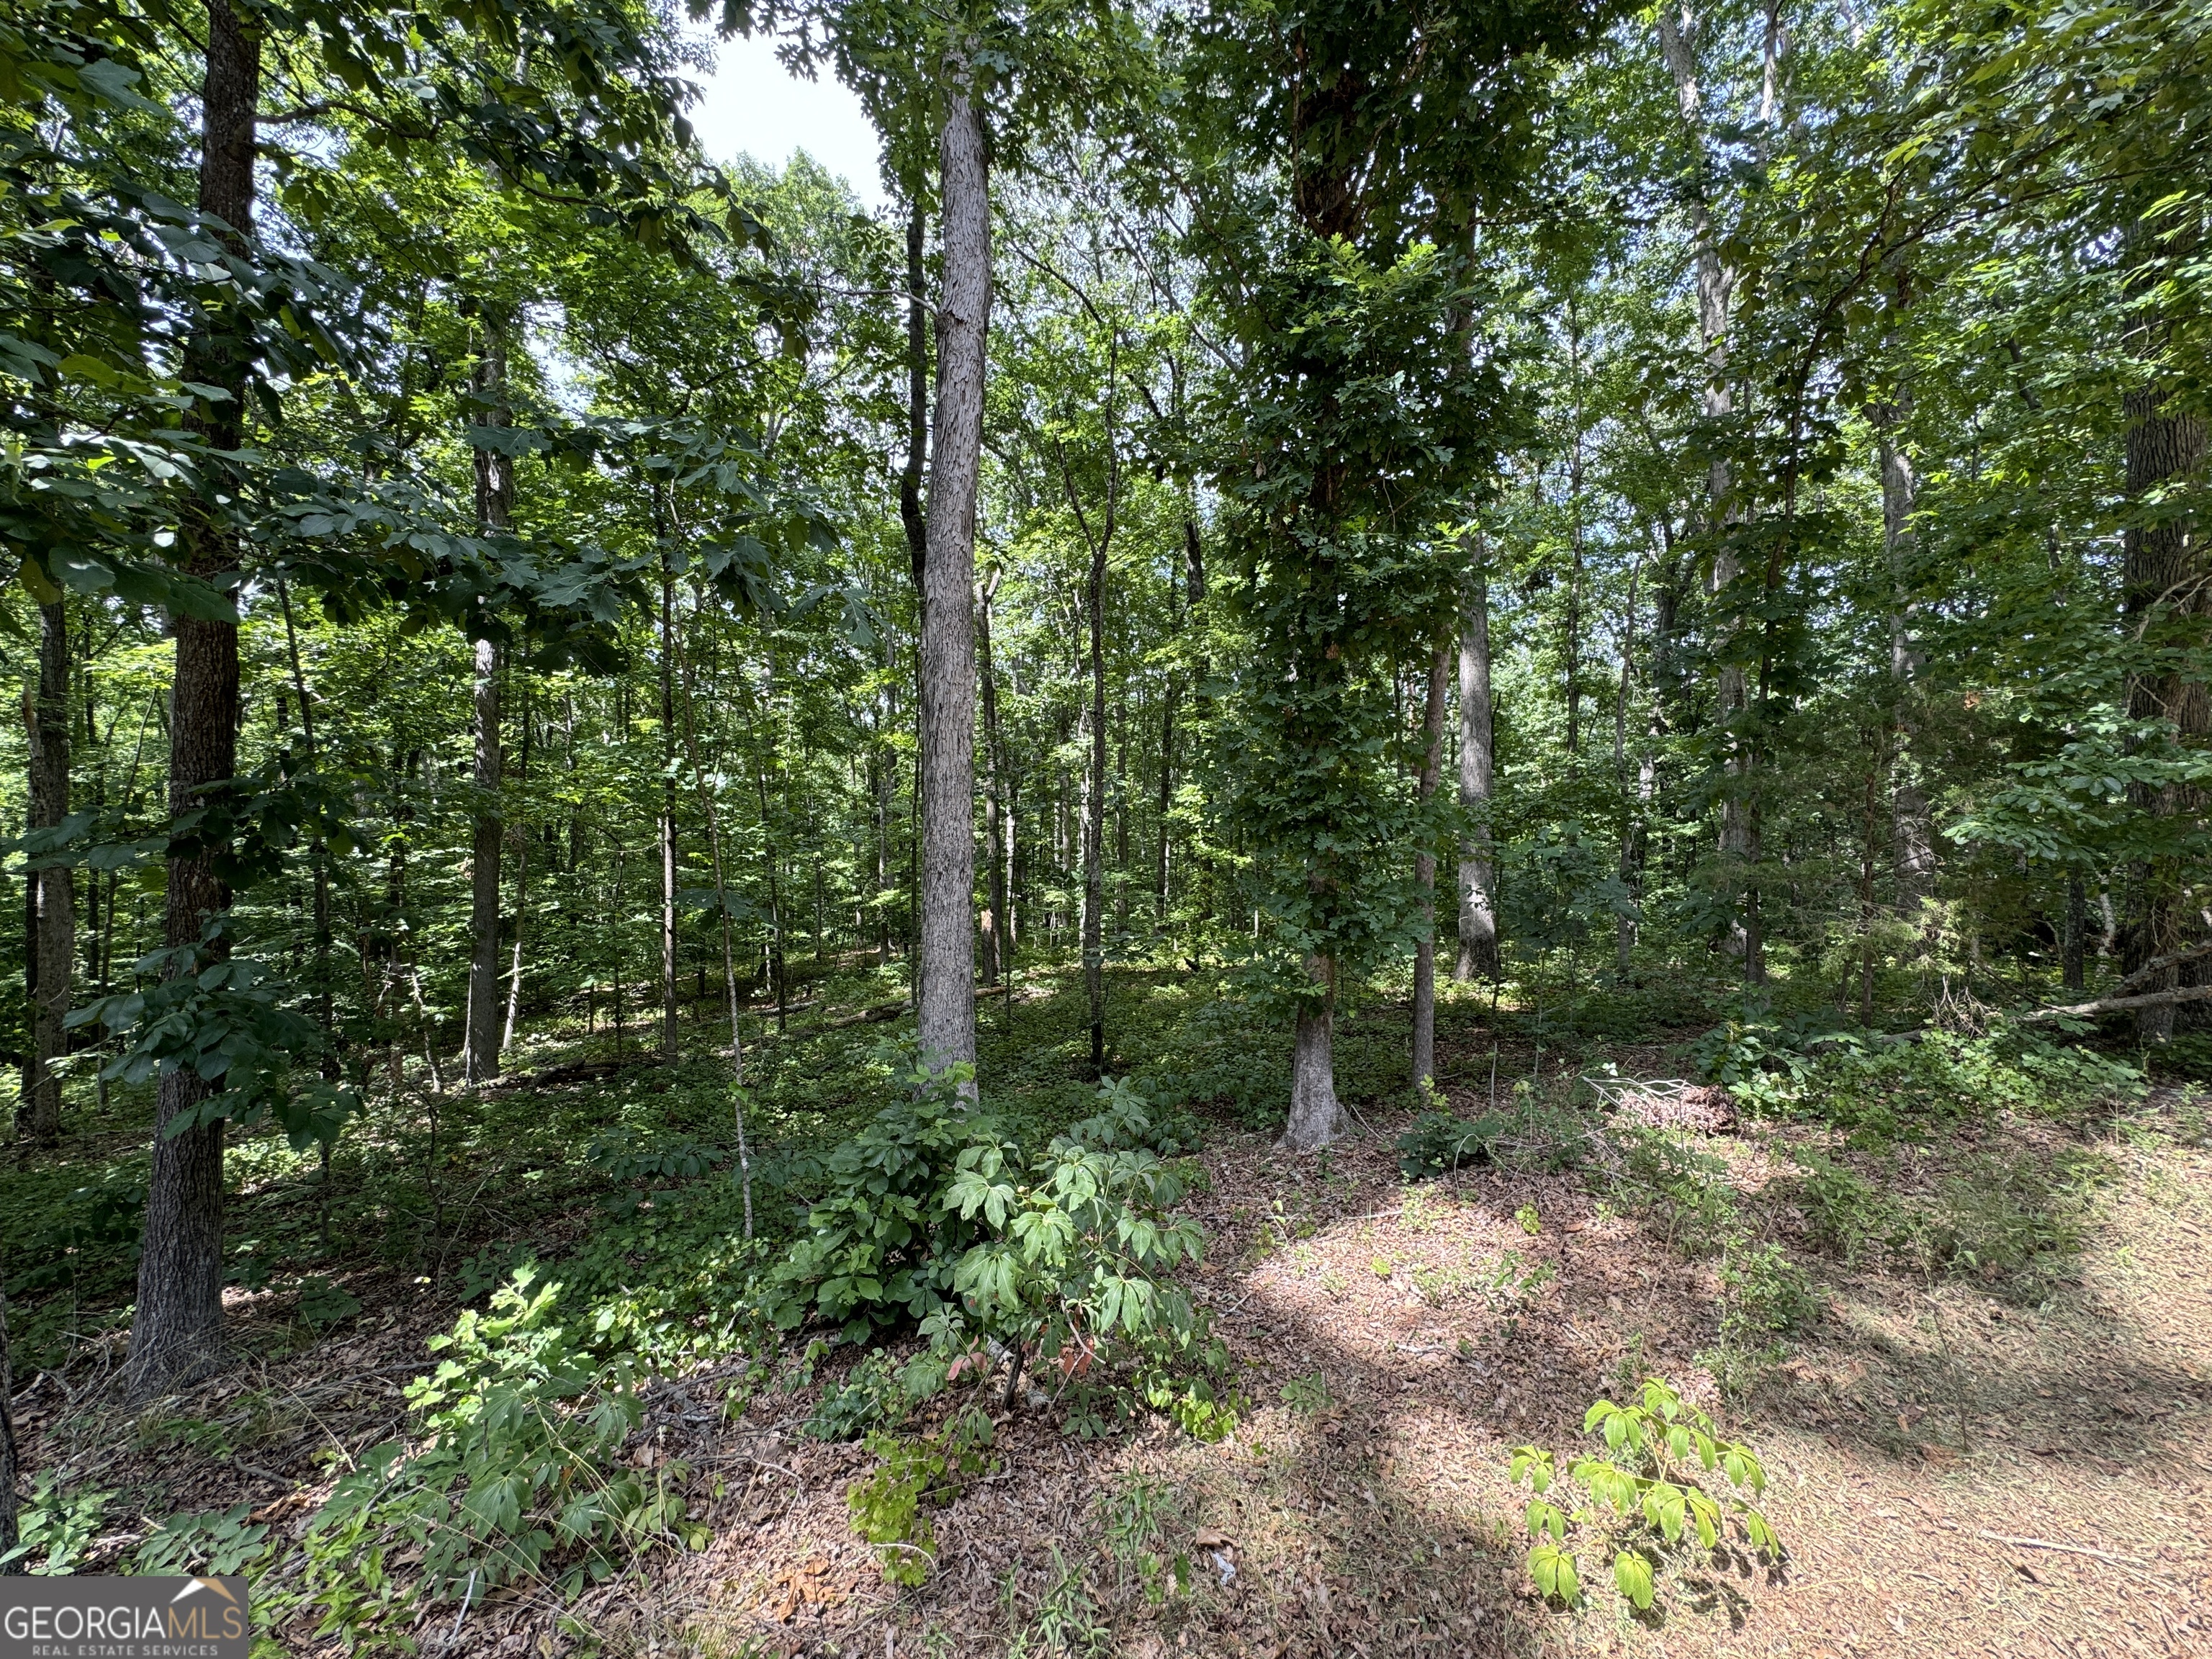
1172	692
480	1033
2164	601
176	1332
48	947
947	1002
521	900
668	807
319	854
495	504
1715	284
1478	877
917	405
1912	831
2077	929
1094	811
1424	873
998	943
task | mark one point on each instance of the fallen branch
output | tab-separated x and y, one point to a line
2121	1004
2151	970
2066	1549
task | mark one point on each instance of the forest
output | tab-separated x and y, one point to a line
1392	841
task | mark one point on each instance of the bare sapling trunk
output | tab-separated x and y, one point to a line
48	949
176	1332
1478	908
1424	873
947	780
521	902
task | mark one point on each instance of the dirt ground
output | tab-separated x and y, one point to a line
1954	1471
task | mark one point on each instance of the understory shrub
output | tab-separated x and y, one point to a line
1650	1500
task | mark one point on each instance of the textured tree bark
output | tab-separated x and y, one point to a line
50	951
176	1332
1478	911
667	809
480	1040
1424	873
1167	800
1316	1114
917	404
2077	929
494	506
2165	585
1094	810
513	1020
947	1002
998	941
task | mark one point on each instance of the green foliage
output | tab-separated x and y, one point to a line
519	1468
890	1505
880	1243
1685	1188
1762	1061
324	1304
1307	1396
1439	1142
1649	1499
201	1010
871	1396
1073	1269
1137	1516
1765	1299
2001	1219
54	1529
219	1543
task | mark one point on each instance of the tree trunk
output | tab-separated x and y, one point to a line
480	1039
947	1002
521	901
2077	929
1316	1114
2164	601
1424	873
1912	831
1478	879
917	407
48	947
494	503
176	1332
998	943
667	808
1716	282
1094	811
1167	800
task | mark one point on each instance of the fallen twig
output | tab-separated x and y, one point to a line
2066	1549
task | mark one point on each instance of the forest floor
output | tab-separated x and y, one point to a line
2009	1456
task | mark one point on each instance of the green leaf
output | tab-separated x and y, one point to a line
1632	1574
